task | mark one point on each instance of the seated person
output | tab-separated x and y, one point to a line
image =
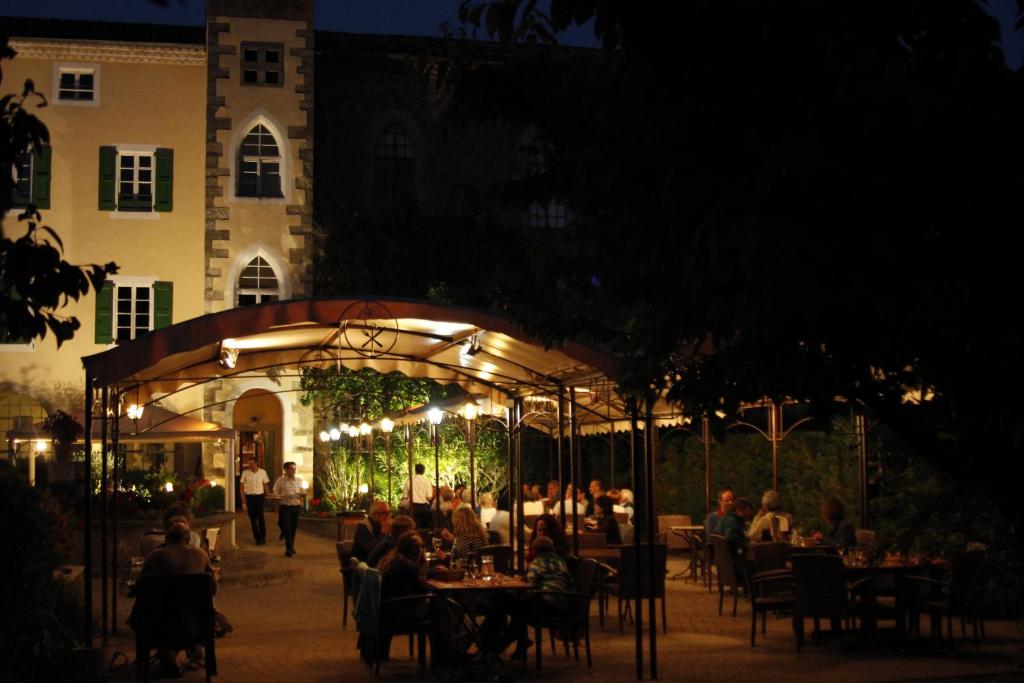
174	512
487	508
733	526
764	527
840	533
386	542
725	500
371	529
177	556
606	522
403	569
549	526
470	534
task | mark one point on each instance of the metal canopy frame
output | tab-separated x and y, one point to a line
488	356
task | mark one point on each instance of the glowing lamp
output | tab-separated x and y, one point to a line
387	425
135	411
470	411
40	446
435	415
364	488
325	436
169	487
353	431
365	428
335	434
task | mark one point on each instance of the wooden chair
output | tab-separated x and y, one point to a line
344	550
173	611
410	615
728	575
213	542
770	556
820	592
564	613
959	597
630	568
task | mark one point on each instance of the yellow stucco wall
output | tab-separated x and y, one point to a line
157	104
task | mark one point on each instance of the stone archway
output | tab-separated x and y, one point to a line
258	417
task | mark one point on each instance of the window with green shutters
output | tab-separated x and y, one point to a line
127	308
131	180
32	178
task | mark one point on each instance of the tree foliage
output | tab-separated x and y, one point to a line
772	198
365	394
35	280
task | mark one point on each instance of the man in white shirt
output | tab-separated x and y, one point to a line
421	494
255	484
289	487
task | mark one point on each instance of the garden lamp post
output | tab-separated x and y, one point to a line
435	416
353	435
365	433
469	411
387	426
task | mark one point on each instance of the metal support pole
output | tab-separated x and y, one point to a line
860	424
651	453
774	435
510	448
574	468
705	425
435	432
104	539
118	469
561	455
611	450
638	515
471	444
87	559
520	520
373	465
408	453
387	456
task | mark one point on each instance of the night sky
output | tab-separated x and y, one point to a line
394	17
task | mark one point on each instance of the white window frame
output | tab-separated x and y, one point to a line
257	292
259	160
139	214
552	216
283	147
79	68
271	256
133	283
15	176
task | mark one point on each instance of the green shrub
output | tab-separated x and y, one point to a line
40	611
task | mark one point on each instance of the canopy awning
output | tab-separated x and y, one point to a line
157	425
483	353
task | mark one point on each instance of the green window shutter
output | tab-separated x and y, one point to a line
41	177
164	179
108	177
105	314
163	299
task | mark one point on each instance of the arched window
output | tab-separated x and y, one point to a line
395	182
257	283
259	164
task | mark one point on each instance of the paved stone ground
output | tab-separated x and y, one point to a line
287	618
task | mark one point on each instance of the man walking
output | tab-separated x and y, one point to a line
421	492
255	484
289	487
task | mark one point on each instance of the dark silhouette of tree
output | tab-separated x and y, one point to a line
35	280
802	199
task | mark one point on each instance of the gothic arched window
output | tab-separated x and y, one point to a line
259	164
257	283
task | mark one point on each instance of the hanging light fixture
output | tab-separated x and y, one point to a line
334	434
365	428
435	415
387	425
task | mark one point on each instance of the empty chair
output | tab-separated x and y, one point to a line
820	592
770	556
727	572
632	568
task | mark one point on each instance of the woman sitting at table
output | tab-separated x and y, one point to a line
550	527
470	534
487	508
606	522
841	533
403	570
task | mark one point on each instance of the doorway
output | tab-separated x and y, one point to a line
258	418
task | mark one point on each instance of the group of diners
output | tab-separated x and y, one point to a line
737	520
396	548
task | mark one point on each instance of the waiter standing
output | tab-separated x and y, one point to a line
421	493
289	487
255	486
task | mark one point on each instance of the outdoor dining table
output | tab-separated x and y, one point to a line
693	536
474	593
898	570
